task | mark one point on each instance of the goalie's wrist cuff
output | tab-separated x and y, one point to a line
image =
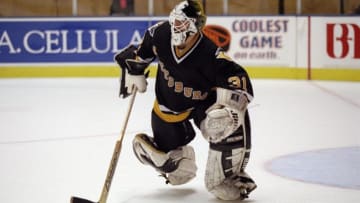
135	67
230	98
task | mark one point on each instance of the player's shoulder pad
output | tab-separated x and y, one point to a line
153	28
221	54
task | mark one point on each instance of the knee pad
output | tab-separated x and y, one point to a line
176	166
225	176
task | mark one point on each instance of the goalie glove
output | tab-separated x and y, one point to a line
128	82
225	116
132	71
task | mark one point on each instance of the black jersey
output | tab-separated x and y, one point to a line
183	82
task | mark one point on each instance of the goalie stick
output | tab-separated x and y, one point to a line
114	160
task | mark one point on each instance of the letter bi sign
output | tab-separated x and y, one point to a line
343	40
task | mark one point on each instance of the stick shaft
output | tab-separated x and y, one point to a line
116	153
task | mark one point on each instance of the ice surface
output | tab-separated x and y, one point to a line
57	137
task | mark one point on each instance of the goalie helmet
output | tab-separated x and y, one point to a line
187	18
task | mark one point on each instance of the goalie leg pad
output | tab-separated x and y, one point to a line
177	166
225	176
186	169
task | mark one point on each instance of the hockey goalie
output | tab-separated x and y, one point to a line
195	81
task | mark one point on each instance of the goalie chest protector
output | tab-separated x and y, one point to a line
183	82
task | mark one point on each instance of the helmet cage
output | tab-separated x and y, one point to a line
181	25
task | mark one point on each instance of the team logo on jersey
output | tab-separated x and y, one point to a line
179	87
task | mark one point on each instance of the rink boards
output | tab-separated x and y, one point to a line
292	47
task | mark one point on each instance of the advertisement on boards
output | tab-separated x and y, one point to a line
275	43
335	42
64	40
259	40
254	41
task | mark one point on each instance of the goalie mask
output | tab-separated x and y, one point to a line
187	18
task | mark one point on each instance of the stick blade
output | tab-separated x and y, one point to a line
80	200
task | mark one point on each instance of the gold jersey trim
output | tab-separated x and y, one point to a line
170	117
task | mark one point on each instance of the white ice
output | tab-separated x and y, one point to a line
57	137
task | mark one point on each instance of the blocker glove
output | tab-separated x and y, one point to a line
132	71
129	81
